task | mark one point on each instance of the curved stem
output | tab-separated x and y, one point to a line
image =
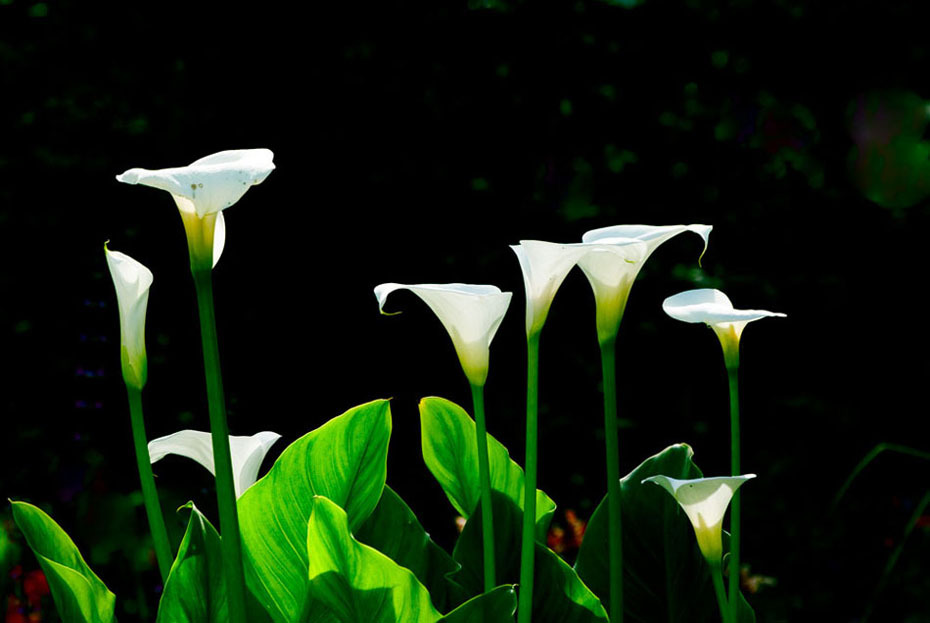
149	493
484	475
868	458
528	543
893	558
225	490
612	442
732	374
717	577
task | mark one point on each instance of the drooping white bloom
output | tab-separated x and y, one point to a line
203	189
470	313
132	281
247	452
705	502
616	257
545	266
713	308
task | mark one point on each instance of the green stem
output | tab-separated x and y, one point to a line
484	475
528	544
149	494
732	374
222	459
893	559
868	458
612	442
717	576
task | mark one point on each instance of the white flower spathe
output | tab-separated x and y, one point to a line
132	281
203	189
470	313
247	452
705	502
210	184
616	256
714	308
545	266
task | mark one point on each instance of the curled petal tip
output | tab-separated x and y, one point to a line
129	177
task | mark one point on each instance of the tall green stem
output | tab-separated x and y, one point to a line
528	543
612	441
484	474
717	576
732	374
149	494
225	490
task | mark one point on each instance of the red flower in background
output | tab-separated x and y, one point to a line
566	540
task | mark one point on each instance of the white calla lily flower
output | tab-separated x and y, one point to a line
203	189
247	452
705	502
616	256
470	313
545	266
132	281
611	266
714	308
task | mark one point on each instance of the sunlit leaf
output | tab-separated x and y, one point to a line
450	450
344	460
393	530
80	596
357	582
196	589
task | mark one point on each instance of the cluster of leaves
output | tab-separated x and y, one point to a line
326	540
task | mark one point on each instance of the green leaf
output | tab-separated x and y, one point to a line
393	530
344	460
559	595
496	606
196	589
81	597
450	450
357	582
665	576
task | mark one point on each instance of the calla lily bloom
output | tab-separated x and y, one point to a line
203	189
705	502
545	266
470	313
612	272
132	281
247	452
715	309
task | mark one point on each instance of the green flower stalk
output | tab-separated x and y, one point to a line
713	308
471	314
614	258
132	281
705	501
202	190
545	266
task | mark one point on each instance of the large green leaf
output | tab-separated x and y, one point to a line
196	589
559	595
80	596
665	576
450	450
344	460
496	606
393	530
352	582
356	582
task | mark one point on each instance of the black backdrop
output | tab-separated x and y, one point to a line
413	143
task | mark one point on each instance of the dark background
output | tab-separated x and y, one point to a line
413	143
